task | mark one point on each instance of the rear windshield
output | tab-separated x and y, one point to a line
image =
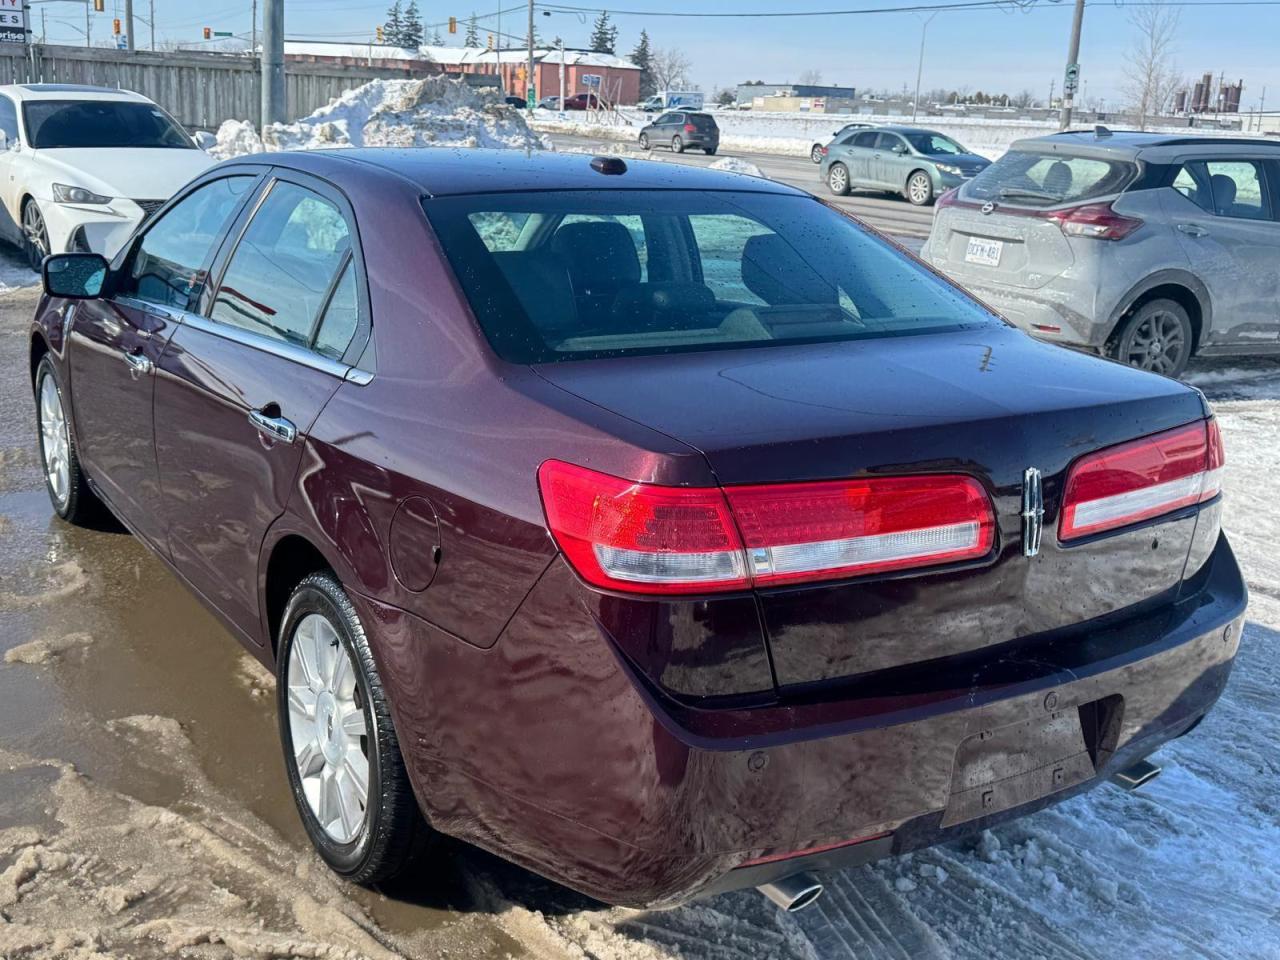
101	123
701	119
1032	179
594	273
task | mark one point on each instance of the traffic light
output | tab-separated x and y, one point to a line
453	24
208	32
115	26
377	32
99	6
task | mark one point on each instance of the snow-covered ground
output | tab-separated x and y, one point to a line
794	134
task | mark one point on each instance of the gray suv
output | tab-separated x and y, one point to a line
1148	248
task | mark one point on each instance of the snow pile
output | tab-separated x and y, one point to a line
431	112
735	165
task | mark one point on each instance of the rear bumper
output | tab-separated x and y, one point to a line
1050	313
550	750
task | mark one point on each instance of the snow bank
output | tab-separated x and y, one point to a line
737	165
432	112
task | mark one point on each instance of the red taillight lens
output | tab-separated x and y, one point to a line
1142	479
690	128
652	539
1095	220
824	151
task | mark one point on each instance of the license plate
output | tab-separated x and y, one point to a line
983	251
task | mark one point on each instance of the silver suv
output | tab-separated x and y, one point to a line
1146	247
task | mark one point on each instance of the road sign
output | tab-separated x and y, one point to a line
591	80
531	98
1071	82
13	21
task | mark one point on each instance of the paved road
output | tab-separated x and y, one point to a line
886	212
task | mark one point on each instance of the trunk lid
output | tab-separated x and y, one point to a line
1031	250
988	404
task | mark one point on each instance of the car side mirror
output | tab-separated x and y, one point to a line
74	276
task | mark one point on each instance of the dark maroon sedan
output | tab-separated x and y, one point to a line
660	529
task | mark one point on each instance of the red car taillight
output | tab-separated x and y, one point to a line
647	538
1095	220
824	150
1142	479
690	128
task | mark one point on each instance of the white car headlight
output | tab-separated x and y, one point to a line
950	168
64	193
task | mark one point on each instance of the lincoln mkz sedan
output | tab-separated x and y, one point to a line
663	530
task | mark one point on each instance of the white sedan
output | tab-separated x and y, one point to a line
81	166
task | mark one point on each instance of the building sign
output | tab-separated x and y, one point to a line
591	80
13	21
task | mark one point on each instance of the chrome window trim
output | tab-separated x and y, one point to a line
279	348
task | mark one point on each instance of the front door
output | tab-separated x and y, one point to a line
1224	217
114	345
241	384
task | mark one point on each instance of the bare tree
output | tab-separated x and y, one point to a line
811	78
1024	100
670	68
1151	77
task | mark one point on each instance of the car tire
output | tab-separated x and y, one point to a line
69	490
1157	336
709	151
677	145
335	725
644	141
838	179
35	235
919	189
816	153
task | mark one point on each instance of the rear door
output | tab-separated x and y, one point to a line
856	156
114	345
242	383
1223	212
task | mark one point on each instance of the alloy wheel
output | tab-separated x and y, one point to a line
677	145
838	179
644	141
55	442
816	154
919	189
34	234
328	728
1158	344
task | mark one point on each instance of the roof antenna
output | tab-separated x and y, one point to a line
1100	132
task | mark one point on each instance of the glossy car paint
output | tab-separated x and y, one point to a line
640	750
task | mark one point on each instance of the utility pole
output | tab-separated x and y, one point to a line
1264	89
915	104
253	27
272	62
128	24
153	26
1073	60
87	8
529	100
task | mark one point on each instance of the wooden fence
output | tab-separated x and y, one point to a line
199	89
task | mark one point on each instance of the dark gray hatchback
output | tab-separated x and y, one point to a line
680	130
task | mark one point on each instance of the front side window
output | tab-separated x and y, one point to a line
934	145
1225	188
618	272
284	266
170	261
1028	178
889	141
54	124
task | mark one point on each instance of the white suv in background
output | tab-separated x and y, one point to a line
81	166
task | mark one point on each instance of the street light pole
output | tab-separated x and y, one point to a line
915	104
128	24
273	106
529	84
1073	57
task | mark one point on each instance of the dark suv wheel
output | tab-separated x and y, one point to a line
1156	337
340	748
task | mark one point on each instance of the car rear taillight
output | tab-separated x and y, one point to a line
690	128
646	538
1142	479
947	199
1094	220
824	151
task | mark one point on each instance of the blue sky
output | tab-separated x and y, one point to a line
1004	50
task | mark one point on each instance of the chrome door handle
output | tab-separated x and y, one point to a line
1193	230
277	428
139	365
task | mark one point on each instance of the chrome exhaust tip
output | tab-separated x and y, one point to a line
1131	778
794	892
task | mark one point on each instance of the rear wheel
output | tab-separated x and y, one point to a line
68	489
838	179
816	153
1157	337
709	151
919	188
343	759
677	145
644	141
35	235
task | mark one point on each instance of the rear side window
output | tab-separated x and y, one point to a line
865	139
282	270
1029	179
170	260
601	273
1225	188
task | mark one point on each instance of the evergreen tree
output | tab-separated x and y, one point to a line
473	33
642	57
412	34
604	35
393	29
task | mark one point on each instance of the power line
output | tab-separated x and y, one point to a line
912	8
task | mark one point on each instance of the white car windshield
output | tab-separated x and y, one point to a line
101	123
